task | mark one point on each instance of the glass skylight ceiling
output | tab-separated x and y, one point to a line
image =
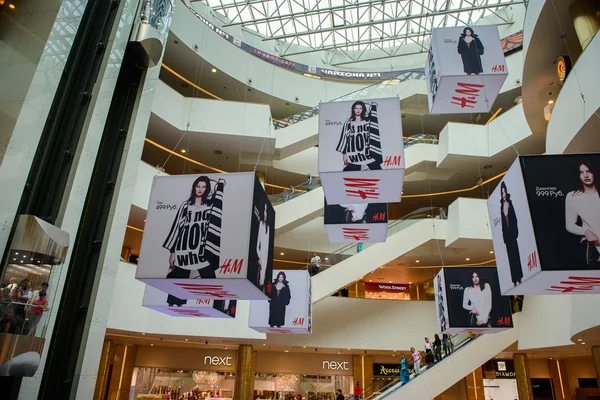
353	25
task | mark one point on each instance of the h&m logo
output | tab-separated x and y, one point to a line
217	360
336	365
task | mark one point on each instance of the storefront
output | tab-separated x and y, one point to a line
499	380
388	291
169	373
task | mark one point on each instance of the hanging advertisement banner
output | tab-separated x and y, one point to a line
208	237
545	221
356	222
160	301
468	300
361	151
465	69
289	309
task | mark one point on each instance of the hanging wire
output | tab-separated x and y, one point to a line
429	186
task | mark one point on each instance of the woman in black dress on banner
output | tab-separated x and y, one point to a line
280	299
510	233
470	49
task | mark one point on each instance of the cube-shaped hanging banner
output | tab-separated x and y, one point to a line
289	309
361	151
363	222
160	301
208	237
465	69
468	300
545	221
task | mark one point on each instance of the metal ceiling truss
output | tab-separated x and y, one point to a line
351	27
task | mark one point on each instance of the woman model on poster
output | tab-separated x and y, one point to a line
280	299
194	240
510	233
359	142
584	204
262	248
470	49
477	300
355	213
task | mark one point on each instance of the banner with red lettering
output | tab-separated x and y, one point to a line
208	237
364	222
289	309
545	222
361	151
468	300
465	69
160	301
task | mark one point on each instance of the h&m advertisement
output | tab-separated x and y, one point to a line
563	201
207	237
160	301
474	302
363	222
465	69
512	231
289	309
441	301
363	141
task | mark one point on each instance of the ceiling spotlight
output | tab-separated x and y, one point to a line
281	254
151	344
186	340
417	261
16	253
326	259
264	344
143	333
14	259
303	347
491	251
410	283
24	255
183	150
468	259
579	340
338	354
11	6
214	70
348	349
551	102
39	261
582	342
390	281
370	280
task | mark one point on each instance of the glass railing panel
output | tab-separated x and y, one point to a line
293	192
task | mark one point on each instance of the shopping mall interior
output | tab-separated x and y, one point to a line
102	102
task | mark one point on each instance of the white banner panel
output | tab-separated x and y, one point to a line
361	151
160	301
364	222
208	237
465	69
545	221
290	308
468	300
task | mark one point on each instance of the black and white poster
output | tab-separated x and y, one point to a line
361	151
465	69
198	234
158	300
363	222
562	199
473	302
289	309
441	302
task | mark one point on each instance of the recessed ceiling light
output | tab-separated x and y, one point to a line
39	262
551	102
582	342
410	283
348	349
14	259
551	358
151	344
326	259
282	254
468	259
417	261
21	261
579	340
214	70
143	333
11	6
183	150
370	280
186	340
24	255
264	344
303	347
491	251
338	354
390	281
16	253
225	348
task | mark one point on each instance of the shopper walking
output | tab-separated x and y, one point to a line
357	391
416	360
338	393
404	373
437	348
428	353
448	345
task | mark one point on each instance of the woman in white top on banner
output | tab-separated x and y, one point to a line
262	248
360	143
477	300
584	205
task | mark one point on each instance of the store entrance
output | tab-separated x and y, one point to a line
306	387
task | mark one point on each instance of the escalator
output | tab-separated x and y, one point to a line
469	354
